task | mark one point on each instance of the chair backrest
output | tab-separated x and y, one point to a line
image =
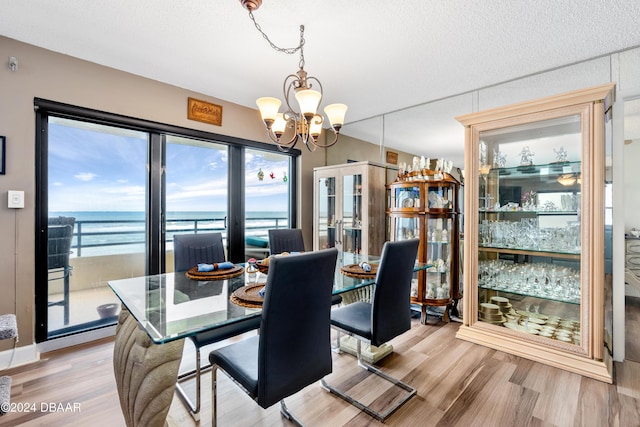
62	220
59	245
191	249
391	310
285	240
295	342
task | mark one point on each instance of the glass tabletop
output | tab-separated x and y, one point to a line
172	306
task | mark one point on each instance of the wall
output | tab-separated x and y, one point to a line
49	75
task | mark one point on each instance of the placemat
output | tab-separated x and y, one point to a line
262	268
247	296
354	270
227	273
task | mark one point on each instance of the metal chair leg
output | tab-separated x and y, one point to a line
214	396
381	416
288	415
194	408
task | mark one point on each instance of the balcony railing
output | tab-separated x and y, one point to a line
92	234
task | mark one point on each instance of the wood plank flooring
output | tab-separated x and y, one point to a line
459	384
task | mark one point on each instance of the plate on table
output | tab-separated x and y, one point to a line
222	274
354	270
248	296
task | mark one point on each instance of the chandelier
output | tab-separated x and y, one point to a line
305	122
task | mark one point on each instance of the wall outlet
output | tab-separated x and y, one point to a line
16	199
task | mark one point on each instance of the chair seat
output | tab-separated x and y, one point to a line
240	361
354	318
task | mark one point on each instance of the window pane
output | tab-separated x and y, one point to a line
196	189
267	198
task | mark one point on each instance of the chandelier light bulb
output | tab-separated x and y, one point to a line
316	127
268	108
335	113
279	125
308	99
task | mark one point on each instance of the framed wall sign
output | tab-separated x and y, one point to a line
203	111
392	157
3	141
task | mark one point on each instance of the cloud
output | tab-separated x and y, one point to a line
85	176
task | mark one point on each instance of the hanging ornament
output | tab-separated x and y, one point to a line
284	178
272	175
260	175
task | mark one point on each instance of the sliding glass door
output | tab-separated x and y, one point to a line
96	228
113	191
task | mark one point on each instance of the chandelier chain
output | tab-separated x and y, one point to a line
287	50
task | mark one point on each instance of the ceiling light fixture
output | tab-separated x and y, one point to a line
306	123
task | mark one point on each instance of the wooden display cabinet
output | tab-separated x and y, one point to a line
348	207
428	208
536	284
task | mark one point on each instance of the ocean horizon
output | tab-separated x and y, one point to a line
114	232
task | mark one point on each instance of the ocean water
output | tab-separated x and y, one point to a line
114	232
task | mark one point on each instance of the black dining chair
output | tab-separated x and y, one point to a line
384	318
291	240
297	303
59	240
285	240
188	251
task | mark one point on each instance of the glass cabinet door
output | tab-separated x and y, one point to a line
440	197
327	212
404	228
439	247
351	226
405	197
529	231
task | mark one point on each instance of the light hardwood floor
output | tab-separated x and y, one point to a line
459	384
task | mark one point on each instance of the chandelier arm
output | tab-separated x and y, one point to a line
292	142
319	84
332	143
290	82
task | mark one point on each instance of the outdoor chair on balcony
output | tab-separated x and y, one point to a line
387	316
188	251
291	240
60	236
293	349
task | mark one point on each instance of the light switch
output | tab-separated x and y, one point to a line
16	199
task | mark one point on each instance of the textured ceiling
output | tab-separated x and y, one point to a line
376	56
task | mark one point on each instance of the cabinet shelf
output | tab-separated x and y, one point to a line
516	291
550	170
524	212
512	251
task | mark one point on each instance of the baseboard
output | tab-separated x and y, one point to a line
19	356
75	339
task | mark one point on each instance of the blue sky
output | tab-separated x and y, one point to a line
98	168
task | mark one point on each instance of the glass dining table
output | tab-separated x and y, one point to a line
172	306
160	311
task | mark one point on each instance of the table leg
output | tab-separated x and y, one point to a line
146	373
